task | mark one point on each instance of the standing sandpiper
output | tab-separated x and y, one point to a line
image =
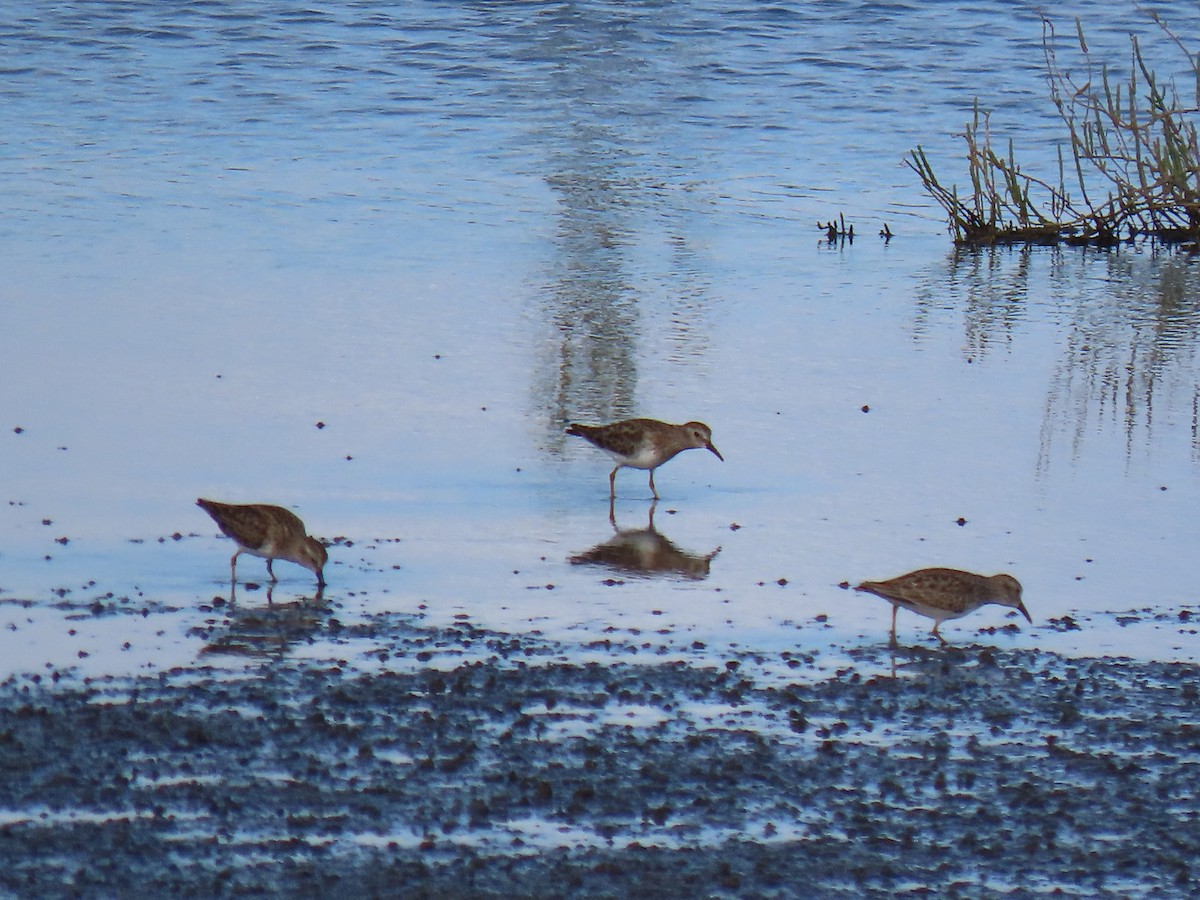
267	531
645	444
943	594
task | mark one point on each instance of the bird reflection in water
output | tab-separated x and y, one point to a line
643	551
267	631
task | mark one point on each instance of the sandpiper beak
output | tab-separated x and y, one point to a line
716	452
1025	613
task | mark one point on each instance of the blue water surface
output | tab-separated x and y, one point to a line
367	260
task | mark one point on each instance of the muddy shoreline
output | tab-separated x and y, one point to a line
985	771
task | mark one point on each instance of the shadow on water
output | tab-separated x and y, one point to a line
1127	334
265	632
593	372
588	296
1128	356
645	552
599	130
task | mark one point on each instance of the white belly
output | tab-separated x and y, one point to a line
645	458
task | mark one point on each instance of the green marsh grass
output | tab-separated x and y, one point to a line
1134	167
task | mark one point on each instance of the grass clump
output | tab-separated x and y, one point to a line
1134	164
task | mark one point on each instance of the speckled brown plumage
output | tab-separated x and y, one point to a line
645	444
943	594
271	532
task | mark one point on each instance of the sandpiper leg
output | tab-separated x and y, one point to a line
895	609
937	634
653	489
612	483
270	571
233	565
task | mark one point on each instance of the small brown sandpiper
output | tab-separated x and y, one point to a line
943	594
271	532
645	444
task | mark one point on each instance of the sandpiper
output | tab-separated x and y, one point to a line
644	444
943	594
267	531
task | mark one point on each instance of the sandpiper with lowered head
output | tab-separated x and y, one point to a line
644	444
943	594
271	532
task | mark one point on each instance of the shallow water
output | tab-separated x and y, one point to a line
367	263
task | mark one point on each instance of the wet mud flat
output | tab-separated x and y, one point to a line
522	772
